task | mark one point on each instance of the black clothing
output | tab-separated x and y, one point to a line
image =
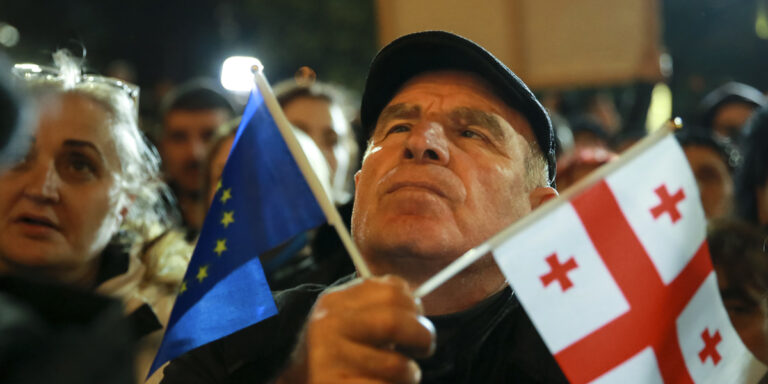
316	257
494	342
52	333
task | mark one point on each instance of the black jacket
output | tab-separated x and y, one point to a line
51	333
494	342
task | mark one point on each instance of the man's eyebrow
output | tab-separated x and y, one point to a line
400	111
82	144
469	116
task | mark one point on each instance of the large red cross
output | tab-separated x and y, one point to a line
710	346
668	203
558	272
653	305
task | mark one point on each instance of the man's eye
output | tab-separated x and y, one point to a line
178	137
399	128
468	133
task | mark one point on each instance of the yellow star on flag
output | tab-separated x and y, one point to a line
202	273
227	218
218	186
183	287
226	195
221	246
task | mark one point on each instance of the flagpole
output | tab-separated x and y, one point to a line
331	213
481	250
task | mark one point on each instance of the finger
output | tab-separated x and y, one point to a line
420	352
380	364
389	291
392	327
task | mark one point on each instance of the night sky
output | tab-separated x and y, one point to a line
169	41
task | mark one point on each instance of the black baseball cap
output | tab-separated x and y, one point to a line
420	52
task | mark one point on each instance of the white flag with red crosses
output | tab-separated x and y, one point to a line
619	282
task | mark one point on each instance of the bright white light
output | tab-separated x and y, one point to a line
236	73
9	35
29	67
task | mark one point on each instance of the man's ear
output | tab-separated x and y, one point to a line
541	195
357	178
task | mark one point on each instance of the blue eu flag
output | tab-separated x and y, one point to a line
262	201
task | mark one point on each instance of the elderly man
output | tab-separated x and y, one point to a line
459	149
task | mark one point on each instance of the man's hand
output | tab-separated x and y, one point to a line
367	331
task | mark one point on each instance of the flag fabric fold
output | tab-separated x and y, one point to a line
619	283
262	201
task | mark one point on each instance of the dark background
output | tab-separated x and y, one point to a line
169	41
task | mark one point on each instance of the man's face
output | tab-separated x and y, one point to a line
714	180
183	147
742	300
444	171
730	118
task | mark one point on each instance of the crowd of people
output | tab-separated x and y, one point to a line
98	220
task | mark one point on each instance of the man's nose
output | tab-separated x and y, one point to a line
427	143
199	149
44	184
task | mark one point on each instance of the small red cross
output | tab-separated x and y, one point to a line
668	203
710	346
559	272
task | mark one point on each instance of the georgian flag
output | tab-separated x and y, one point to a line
619	283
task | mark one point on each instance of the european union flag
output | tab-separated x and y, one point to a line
262	201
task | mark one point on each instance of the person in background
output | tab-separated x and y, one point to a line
581	162
626	139
752	180
216	159
725	110
740	260
84	206
713	161
299	260
320	111
588	132
190	115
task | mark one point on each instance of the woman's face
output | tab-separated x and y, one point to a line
60	206
313	116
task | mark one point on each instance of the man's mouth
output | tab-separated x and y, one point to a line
417	185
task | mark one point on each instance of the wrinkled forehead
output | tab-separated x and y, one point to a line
72	116
458	90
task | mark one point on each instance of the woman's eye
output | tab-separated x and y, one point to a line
78	166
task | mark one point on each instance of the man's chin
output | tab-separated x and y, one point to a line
186	188
417	257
